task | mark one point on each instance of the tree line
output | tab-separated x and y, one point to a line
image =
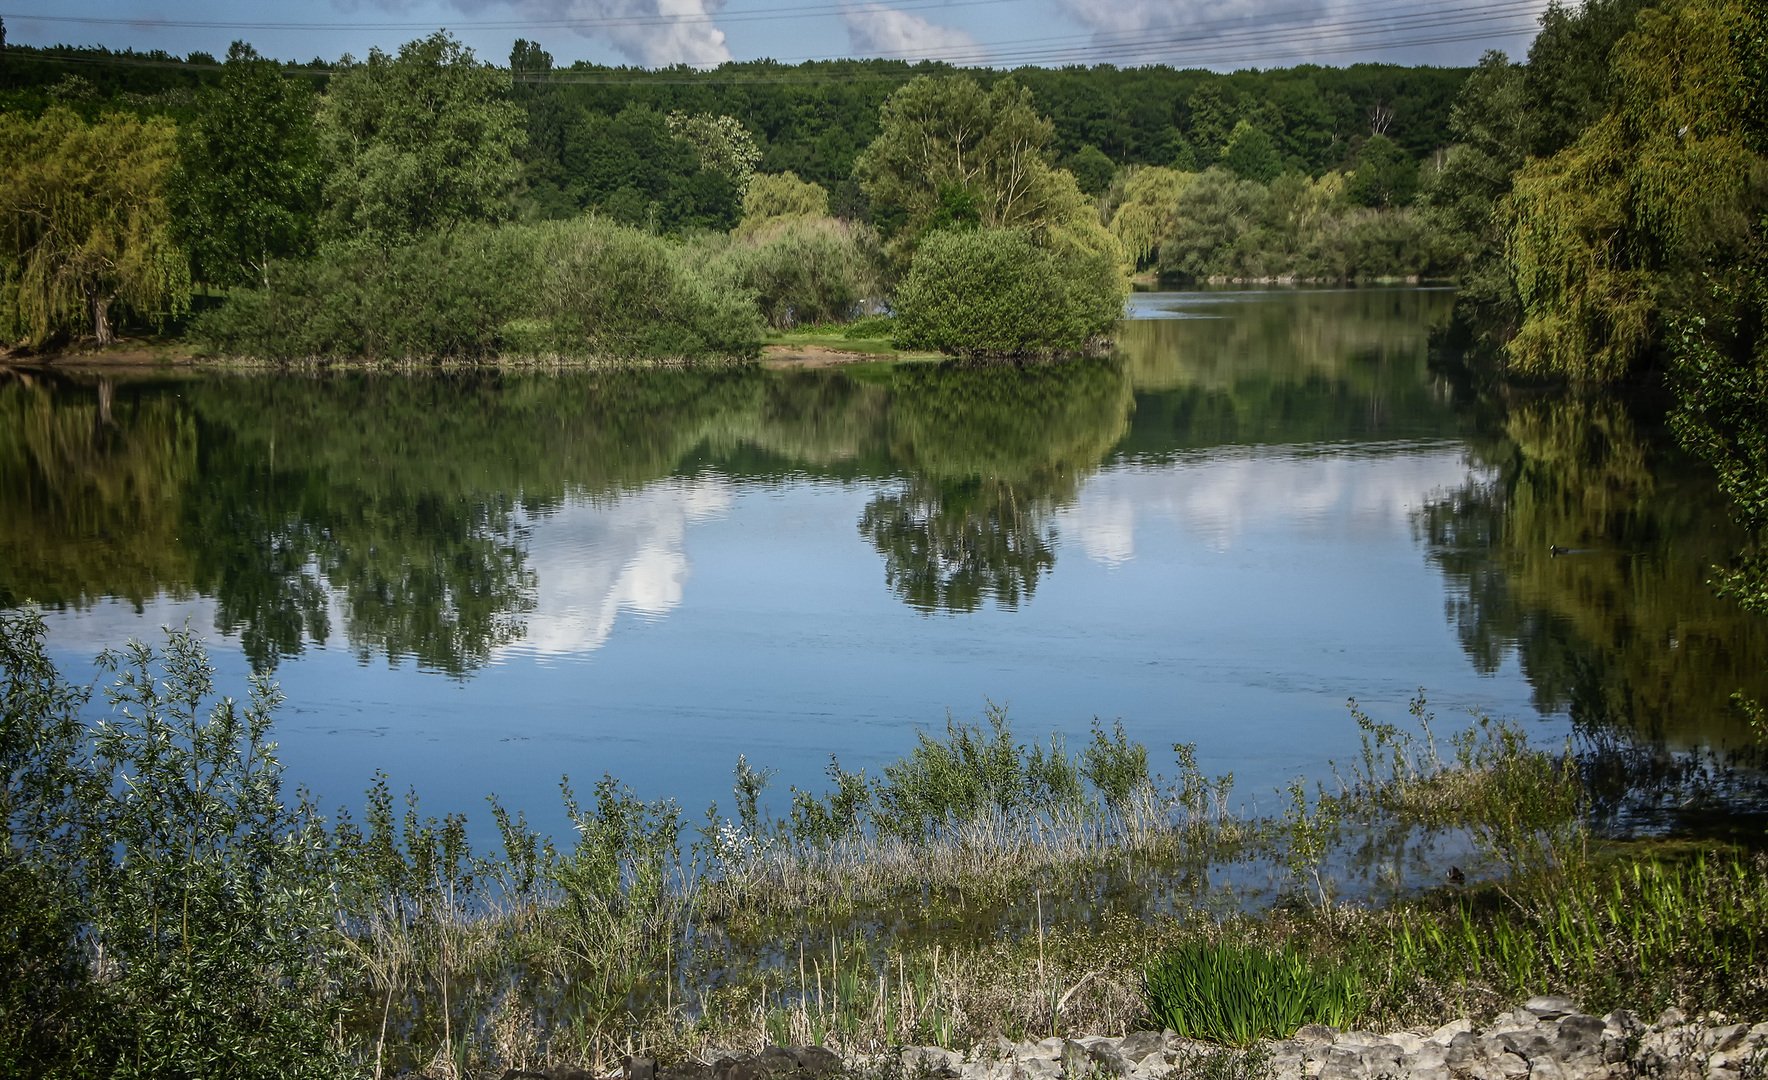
417	204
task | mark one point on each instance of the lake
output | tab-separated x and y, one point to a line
1263	504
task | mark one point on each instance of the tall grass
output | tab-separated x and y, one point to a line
1237	994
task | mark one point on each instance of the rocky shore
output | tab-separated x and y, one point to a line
1546	1038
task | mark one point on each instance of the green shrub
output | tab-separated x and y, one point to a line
997	292
587	287
1238	994
610	290
445	296
974	774
185	922
805	270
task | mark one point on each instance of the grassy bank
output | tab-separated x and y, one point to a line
159	880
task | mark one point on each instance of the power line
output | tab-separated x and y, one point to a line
1137	41
1280	36
749	15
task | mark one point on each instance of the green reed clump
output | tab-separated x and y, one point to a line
1235	993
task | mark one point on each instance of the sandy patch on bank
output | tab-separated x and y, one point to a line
815	356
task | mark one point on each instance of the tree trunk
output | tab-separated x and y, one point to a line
101	325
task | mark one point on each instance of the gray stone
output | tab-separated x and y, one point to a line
1316	1033
1139	1044
930	1061
1623	1022
1036	1068
1527	1045
774	1060
1545	1068
1579	1039
986	1070
1729	1037
1106	1059
1443	1035
1550	1006
1511	1065
817	1061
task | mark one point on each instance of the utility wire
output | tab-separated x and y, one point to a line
1234	46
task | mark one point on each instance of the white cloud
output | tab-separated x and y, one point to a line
654	33
595	560
876	29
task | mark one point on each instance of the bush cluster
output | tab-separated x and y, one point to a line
804	270
581	287
998	292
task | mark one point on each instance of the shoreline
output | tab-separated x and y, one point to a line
130	357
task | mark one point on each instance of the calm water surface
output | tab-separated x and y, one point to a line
1264	504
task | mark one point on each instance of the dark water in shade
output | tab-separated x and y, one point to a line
1264	504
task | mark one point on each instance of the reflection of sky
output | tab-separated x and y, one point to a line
595	560
1220	497
1231	599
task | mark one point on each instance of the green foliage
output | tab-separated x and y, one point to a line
1116	767
804	270
1617	227
947	142
579	288
974	774
995	292
724	145
632	167
821	823
1222	227
1644	933
247	184
445	295
1209	232
1148	198
1384	175
608	290
420	141
85	223
1719	365
778	195
1251	155
1237	994
1092	170
168	867
1569	81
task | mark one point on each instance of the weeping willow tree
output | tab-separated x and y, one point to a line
1147	201
1606	237
85	227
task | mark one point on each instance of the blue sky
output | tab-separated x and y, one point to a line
1220	34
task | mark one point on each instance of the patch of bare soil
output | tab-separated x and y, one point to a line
812	356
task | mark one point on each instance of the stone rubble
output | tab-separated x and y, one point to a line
1546	1038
